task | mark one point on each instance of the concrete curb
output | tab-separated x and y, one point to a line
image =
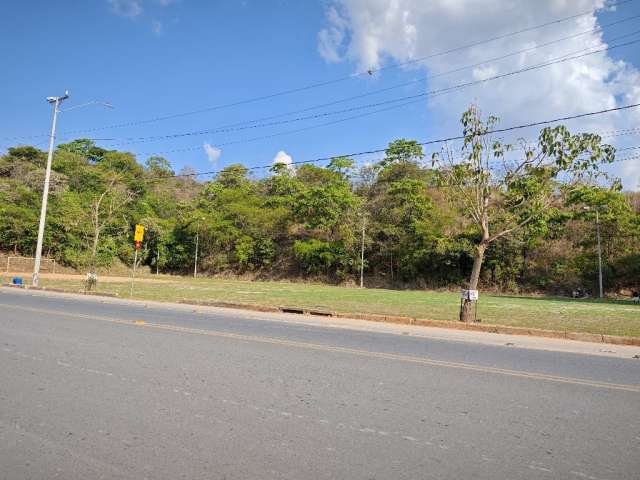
62	290
423	322
397	319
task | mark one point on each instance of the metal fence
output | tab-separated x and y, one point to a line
26	264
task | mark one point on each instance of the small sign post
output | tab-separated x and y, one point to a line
137	237
469	296
139	233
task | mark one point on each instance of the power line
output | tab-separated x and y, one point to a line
500	37
287	132
406	101
428	142
368	72
611	133
231	127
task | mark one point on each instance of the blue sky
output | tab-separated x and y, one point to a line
152	58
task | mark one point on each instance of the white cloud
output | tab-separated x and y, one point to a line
284	158
373	33
331	38
157	27
212	152
126	8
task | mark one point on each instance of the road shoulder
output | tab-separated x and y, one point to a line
437	333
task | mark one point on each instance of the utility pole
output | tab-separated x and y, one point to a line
55	101
362	254
599	254
600	288
195	262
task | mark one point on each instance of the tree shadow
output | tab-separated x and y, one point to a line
594	301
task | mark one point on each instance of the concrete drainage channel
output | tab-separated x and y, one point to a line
304	311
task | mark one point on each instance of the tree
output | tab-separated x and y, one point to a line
617	223
159	166
500	192
402	151
424	226
105	207
85	147
340	165
28	154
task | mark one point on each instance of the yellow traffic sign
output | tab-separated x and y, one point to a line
139	233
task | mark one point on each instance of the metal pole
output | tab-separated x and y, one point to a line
599	255
195	262
362	255
133	275
45	193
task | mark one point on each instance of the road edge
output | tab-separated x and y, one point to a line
396	319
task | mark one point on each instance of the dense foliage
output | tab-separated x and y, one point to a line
308	222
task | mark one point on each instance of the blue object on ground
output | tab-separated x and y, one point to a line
16	281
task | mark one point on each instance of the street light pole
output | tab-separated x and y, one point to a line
55	101
599	254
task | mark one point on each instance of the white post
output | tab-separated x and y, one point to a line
362	255
158	263
45	193
133	274
195	262
599	255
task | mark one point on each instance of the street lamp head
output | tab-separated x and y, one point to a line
58	99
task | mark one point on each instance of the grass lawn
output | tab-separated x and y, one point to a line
593	316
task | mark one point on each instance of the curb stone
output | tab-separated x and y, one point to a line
61	290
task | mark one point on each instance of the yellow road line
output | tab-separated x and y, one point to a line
345	350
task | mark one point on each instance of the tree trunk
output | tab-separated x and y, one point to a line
468	306
94	251
523	271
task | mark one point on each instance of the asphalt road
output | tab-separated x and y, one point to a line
88	391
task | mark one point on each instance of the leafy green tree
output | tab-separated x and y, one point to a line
159	166
402	151
501	194
424	226
84	147
106	208
340	165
